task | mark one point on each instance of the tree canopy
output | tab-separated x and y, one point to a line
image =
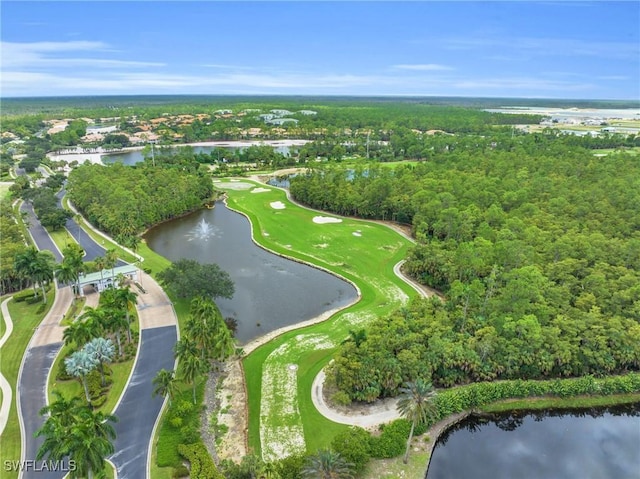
187	278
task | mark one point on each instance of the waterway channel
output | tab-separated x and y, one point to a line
270	291
590	443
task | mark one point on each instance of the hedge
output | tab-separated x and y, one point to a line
462	398
202	466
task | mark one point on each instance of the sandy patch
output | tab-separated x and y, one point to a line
323	245
277	205
260	190
236	185
357	233
325	219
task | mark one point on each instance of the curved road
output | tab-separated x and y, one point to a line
137	410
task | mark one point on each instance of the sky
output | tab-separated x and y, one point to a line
553	49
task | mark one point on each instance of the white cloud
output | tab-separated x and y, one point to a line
39	55
423	67
546	46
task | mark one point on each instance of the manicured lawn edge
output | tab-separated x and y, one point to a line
12	355
318	430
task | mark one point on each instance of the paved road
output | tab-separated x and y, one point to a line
32	380
138	410
32	393
91	248
40	236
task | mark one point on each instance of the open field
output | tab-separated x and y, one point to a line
364	253
12	353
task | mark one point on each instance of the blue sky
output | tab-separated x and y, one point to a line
559	49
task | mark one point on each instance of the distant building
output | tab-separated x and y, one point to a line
308	112
281	112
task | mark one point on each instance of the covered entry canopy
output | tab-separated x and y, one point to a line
107	277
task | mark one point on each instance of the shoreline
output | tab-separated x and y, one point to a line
95	156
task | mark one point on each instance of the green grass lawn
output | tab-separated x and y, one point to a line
25	319
61	238
360	251
73	387
3	326
4	192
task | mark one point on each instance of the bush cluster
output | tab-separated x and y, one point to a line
455	400
202	466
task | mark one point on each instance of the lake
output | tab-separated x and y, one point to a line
268	287
135	156
590	443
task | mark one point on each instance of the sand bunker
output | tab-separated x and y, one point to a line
326	219
357	233
277	205
238	185
260	190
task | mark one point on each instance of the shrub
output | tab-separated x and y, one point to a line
202	466
353	445
341	398
392	441
291	467
99	401
180	472
24	295
189	433
176	422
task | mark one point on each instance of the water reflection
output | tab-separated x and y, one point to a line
271	291
591	443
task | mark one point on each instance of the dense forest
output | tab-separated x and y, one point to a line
537	251
123	201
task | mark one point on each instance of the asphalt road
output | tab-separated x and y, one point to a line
138	410
32	392
38	233
91	248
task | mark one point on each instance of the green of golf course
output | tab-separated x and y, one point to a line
279	374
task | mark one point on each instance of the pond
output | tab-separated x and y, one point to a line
598	443
135	156
270	291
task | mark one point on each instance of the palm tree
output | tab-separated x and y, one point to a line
61	415
43	270
327	464
165	384
357	337
72	260
125	299
24	263
416	405
91	442
269	470
95	319
81	332
78	365
100	264
110	261
225	344
102	351
65	274
116	320
36	267
192	366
